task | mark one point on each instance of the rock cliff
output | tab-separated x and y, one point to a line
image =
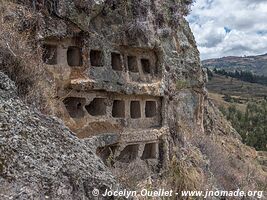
125	77
42	159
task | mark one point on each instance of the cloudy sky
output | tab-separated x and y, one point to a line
229	27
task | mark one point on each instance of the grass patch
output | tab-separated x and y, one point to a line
181	84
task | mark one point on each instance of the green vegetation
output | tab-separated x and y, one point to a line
246	76
231	99
243	103
181	84
255	64
236	88
210	74
251	125
181	177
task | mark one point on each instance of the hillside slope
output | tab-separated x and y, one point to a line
193	146
234	87
255	64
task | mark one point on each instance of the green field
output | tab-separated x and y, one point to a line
234	87
244	105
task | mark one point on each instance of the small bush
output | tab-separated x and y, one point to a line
181	84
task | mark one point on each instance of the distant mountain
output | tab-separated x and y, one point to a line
255	64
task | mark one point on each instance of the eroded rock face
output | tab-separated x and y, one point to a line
42	159
125	77
124	67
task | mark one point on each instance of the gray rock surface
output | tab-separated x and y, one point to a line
40	158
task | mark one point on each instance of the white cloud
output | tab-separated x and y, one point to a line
229	27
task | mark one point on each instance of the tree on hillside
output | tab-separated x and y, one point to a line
251	125
246	76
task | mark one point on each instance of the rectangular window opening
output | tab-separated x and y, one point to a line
74	106
118	109
96	58
132	64
129	153
151	108
146	66
97	107
150	151
135	109
74	56
116	61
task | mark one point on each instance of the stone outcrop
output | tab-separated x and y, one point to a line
118	70
126	78
42	159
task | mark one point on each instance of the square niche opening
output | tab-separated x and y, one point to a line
145	66
129	153
132	64
135	109
150	151
118	109
151	109
74	106
97	107
96	58
74	56
49	54
116	61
